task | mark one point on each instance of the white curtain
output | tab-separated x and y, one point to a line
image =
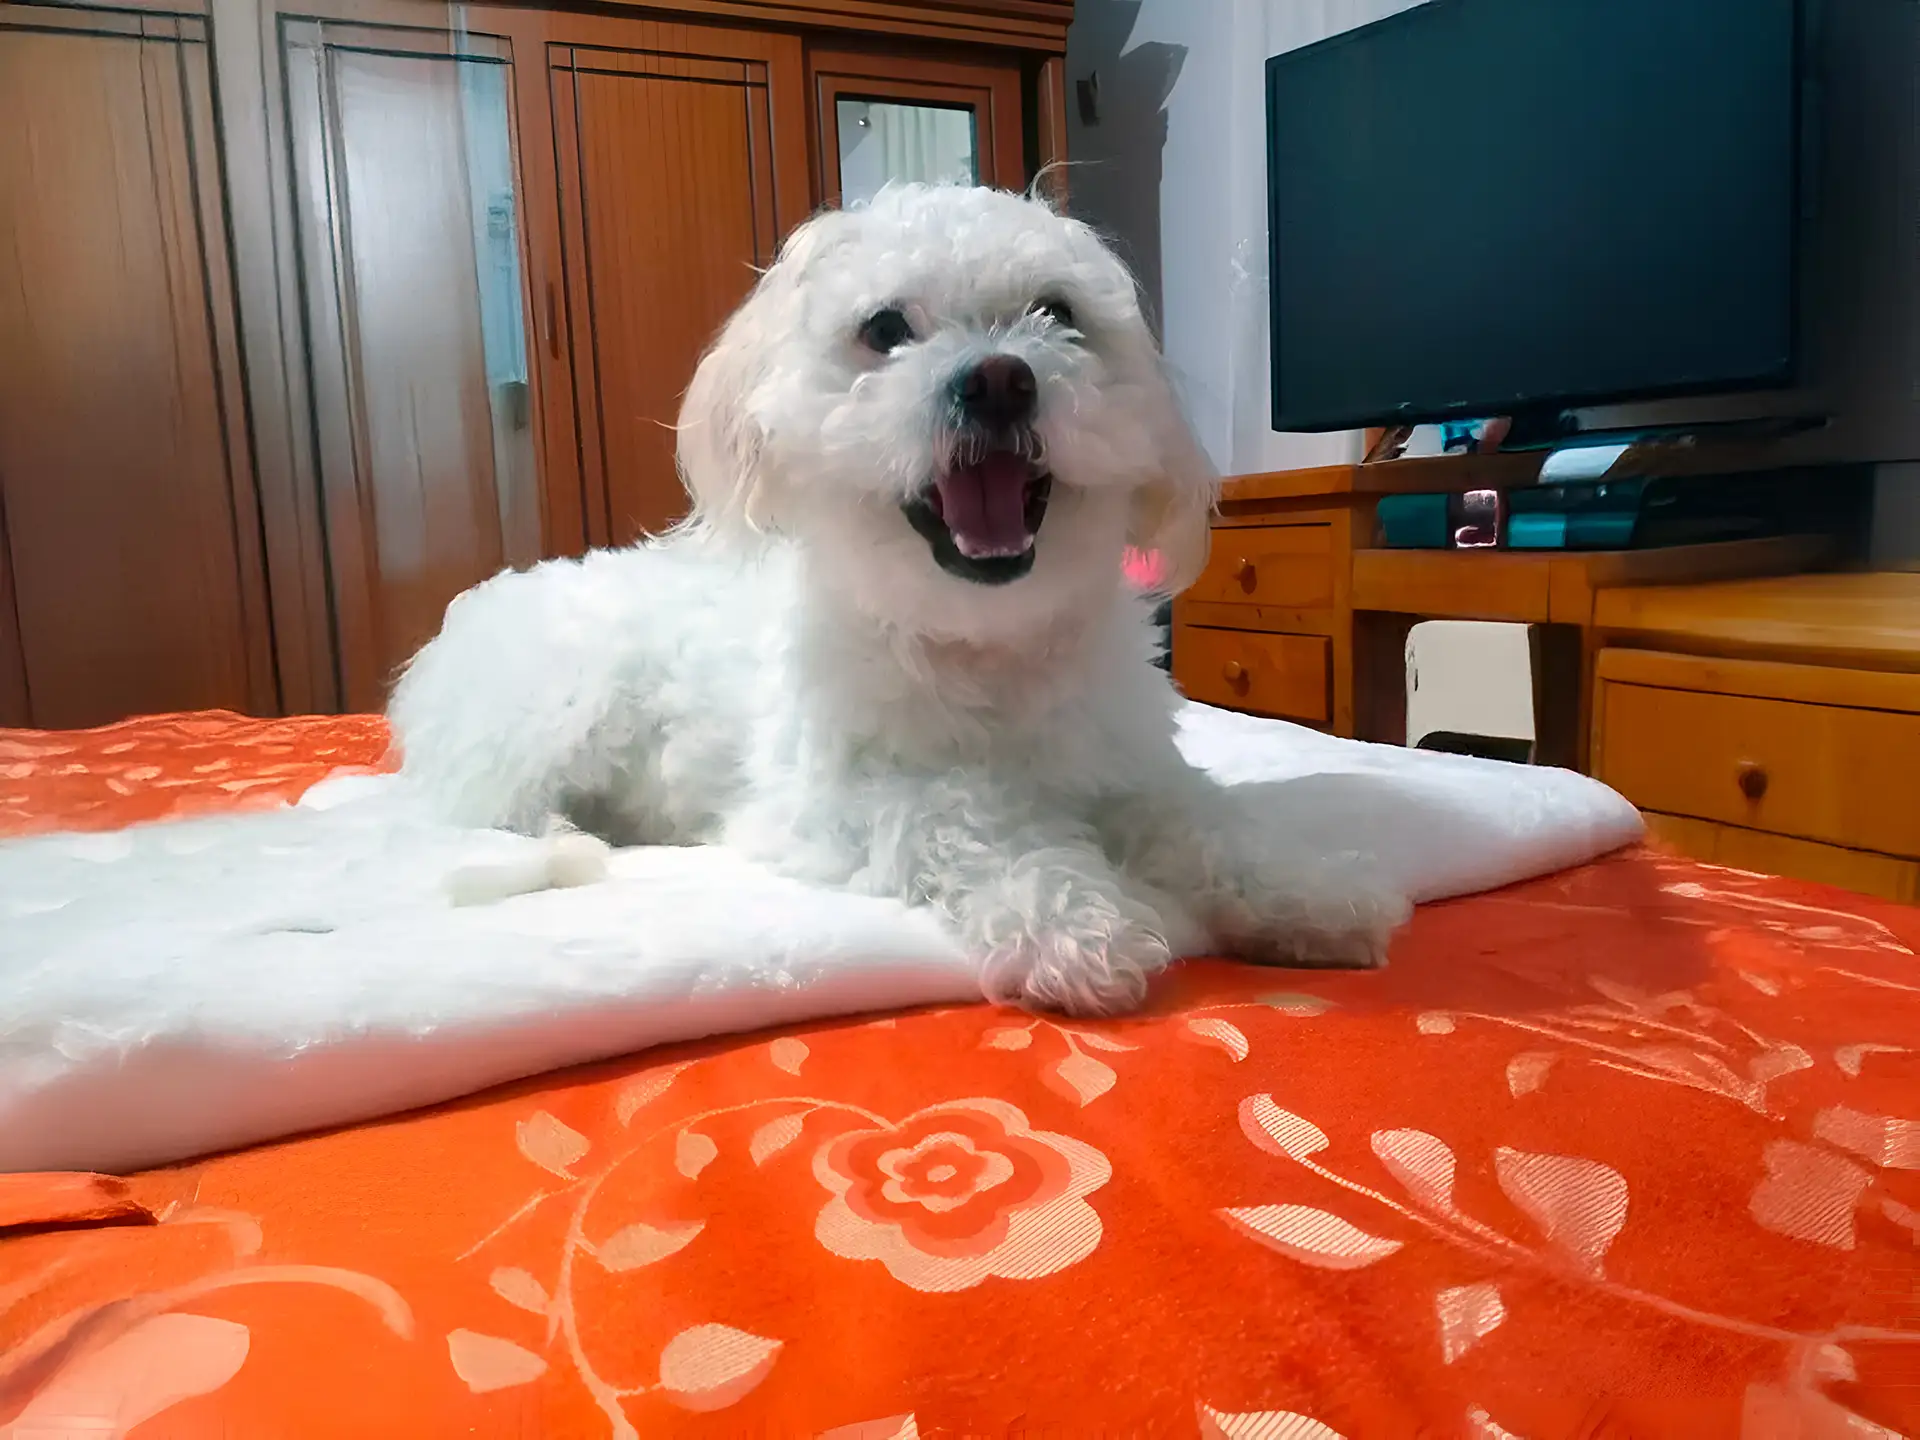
881	141
919	142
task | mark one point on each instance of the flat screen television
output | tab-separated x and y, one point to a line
1521	207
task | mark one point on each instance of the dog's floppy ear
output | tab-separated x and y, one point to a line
1172	513
721	446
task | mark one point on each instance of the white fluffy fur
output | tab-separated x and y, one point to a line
791	674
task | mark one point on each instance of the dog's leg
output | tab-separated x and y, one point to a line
499	723
1225	852
1052	922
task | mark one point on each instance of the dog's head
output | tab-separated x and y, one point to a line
950	400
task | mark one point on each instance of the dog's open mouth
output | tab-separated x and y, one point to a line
981	519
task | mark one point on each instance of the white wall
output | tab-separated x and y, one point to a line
1152	173
1206	255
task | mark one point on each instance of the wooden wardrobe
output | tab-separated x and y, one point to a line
313	315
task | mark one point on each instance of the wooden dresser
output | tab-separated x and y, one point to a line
1257	631
1299	615
1770	725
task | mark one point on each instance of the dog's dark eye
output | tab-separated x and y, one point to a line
1056	310
885	331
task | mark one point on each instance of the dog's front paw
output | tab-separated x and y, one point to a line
1057	942
1343	921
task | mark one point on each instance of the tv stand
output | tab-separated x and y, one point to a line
1541	429
1699	448
1299	616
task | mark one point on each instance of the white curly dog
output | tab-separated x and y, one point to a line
893	650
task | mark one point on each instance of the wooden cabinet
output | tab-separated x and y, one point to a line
131	574
1771	725
1813	771
1287	676
879	114
407	203
1268	565
682	162
475	254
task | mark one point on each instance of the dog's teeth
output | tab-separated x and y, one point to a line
990	552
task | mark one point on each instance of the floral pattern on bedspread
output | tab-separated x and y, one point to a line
1632	1150
166	767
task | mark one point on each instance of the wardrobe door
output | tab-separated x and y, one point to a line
129	531
682	161
408	198
881	118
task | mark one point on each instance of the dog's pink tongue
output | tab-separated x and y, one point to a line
985	506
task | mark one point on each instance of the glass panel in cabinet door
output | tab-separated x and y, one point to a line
883	141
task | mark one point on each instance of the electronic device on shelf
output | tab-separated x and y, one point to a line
1513	208
1633	513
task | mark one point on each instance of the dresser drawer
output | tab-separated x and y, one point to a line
1289	565
1862	870
1848	776
1283	675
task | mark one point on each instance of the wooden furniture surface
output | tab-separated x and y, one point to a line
1771	725
682	162
326	312
1551	587
1293	556
1491	470
429	484
1267	674
1856	622
132	570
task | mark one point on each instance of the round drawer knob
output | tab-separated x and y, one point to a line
1753	781
1235	674
1249	576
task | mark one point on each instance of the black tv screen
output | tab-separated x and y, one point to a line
1491	207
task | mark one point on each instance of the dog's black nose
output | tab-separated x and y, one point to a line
999	391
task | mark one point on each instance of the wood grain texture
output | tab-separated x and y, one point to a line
259	195
1287	565
1050	129
1579	577
132	532
1558	586
428	465
1824	772
1379	697
1764	679
15	712
1854	620
1453	584
1377	595
1229	615
1280	675
1026	24
682	162
1859	870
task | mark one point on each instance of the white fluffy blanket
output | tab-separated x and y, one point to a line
186	987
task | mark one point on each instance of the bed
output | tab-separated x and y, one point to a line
1629	1150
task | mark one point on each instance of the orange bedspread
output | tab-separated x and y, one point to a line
1629	1151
